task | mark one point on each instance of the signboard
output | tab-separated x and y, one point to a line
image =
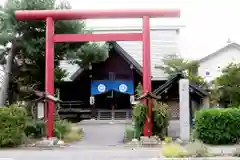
103	86
132	99
40	110
92	100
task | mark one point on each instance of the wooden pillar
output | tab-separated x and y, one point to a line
147	74
49	74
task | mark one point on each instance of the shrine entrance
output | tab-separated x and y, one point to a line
112	99
52	15
113	105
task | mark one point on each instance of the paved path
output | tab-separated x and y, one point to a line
111	153
102	141
103	133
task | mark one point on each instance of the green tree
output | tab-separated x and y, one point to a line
214	95
28	45
228	85
174	64
139	90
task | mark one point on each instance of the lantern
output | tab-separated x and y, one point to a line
132	99
92	100
40	110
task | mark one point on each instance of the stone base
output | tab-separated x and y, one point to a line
49	142
133	143
181	142
144	140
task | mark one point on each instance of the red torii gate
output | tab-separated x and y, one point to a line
50	15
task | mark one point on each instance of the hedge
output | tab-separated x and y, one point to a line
218	126
13	122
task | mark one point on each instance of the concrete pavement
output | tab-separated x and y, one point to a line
103	133
102	141
111	153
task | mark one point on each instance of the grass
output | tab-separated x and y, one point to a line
76	134
175	150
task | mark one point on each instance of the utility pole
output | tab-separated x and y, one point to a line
5	82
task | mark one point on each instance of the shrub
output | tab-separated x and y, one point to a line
159	118
139	116
218	126
129	133
196	149
36	128
73	135
173	151
62	128
234	106
13	120
168	140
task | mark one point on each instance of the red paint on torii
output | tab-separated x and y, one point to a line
51	38
94	14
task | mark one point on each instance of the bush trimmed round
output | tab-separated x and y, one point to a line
218	126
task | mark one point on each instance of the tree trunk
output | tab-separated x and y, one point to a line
5	83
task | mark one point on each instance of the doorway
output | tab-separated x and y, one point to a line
113	105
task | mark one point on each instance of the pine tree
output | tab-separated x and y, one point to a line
27	39
174	64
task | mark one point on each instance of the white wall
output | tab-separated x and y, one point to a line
164	41
215	64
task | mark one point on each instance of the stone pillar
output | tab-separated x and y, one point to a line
184	109
205	102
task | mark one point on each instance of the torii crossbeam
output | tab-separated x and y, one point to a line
51	15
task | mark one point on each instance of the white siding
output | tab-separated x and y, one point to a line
163	41
70	68
215	64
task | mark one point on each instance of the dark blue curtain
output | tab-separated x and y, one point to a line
103	86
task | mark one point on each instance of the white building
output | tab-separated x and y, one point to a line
164	41
210	66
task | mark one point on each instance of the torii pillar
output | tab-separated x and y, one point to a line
51	15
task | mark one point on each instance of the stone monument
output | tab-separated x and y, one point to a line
184	109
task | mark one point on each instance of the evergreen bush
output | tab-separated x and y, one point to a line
13	120
218	125
36	128
160	118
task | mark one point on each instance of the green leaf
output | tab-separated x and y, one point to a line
29	43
